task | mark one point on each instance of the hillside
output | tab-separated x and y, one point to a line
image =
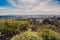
30	29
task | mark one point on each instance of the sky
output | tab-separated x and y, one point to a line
29	7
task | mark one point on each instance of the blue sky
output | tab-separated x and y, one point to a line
4	3
58	1
26	6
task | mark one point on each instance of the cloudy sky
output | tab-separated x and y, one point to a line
29	7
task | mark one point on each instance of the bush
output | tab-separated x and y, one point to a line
48	37
26	36
48	34
12	27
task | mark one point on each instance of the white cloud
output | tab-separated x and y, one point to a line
24	4
47	7
42	7
29	1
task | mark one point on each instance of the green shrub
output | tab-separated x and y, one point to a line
49	37
12	27
26	36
